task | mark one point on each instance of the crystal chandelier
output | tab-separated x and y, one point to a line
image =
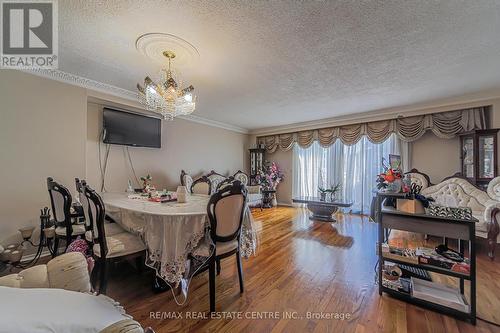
166	97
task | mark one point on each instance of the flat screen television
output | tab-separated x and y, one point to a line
131	129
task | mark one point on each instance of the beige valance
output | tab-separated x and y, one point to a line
445	125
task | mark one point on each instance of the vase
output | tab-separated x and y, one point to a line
322	196
394	187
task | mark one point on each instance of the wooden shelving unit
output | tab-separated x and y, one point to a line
389	218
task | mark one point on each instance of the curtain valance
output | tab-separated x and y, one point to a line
445	125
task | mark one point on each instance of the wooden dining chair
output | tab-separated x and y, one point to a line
225	212
109	249
202	185
111	227
60	200
186	180
215	179
242	177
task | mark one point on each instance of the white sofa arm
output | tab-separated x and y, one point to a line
68	271
253	189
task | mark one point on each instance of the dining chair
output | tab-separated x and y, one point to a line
60	200
242	177
226	182
186	180
225	212
202	185
109	249
215	179
111	227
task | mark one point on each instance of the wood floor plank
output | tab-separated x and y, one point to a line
303	267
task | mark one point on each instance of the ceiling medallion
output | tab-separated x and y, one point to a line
167	97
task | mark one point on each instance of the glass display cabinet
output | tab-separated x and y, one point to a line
256	162
479	156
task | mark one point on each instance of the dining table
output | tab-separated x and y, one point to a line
176	235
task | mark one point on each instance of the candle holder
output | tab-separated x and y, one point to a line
14	253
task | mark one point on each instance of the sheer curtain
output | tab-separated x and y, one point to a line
355	167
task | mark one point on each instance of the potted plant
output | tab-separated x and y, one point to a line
322	193
333	190
269	177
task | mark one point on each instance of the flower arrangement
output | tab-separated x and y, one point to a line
270	176
390	179
147	185
332	190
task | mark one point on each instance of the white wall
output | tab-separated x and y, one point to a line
194	147
42	133
48	128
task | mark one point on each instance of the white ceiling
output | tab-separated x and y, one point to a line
274	63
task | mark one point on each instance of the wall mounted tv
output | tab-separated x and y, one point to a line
131	129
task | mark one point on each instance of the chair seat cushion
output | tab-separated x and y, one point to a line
111	229
120	245
78	229
203	250
225	247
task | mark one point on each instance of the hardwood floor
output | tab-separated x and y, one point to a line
302	266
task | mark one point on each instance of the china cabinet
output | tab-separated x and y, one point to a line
478	154
256	162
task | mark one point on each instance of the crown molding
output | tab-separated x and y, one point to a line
383	114
58	75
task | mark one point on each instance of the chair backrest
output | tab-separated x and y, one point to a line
96	214
60	200
419	178
215	179
242	177
186	180
226	182
80	185
225	212
201	185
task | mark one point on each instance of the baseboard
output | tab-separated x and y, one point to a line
285	204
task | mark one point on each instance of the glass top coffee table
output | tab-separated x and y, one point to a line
322	210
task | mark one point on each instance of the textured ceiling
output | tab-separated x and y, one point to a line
282	62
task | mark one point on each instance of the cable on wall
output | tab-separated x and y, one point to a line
132	165
102	168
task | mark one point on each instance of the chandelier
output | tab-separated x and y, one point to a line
166	97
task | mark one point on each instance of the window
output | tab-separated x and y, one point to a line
355	167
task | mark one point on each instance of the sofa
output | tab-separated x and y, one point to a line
456	191
254	194
57	297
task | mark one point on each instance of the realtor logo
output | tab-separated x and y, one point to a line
29	34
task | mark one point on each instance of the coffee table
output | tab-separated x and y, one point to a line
322	210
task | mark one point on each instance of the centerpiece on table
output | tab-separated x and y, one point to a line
149	191
269	178
390	179
333	190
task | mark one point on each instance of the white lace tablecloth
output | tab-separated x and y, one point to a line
172	231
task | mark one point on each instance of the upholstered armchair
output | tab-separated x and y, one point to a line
419	178
254	194
68	272
459	192
215	179
186	180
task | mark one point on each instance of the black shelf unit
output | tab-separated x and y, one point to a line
389	218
